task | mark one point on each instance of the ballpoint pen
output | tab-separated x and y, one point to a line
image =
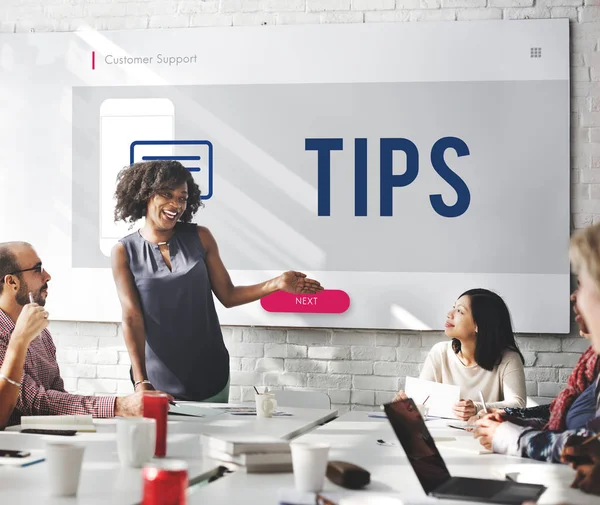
483	402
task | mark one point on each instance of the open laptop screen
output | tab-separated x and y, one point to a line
418	444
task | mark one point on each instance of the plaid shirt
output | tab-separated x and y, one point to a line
43	390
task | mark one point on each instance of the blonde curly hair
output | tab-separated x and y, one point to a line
584	252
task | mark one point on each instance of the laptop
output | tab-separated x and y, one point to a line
432	472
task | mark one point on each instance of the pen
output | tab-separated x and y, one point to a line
483	402
588	440
31	300
173	403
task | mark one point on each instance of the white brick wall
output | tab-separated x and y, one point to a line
357	369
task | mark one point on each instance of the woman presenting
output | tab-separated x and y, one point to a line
165	275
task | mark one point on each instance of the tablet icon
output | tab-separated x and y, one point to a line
195	155
122	120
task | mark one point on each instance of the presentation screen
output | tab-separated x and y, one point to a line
398	164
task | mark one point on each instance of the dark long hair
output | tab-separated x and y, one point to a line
494	328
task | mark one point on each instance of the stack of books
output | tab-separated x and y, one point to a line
80	423
252	453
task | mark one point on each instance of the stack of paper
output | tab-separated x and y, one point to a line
82	423
440	398
252	453
193	410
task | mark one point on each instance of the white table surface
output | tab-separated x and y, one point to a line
103	480
353	438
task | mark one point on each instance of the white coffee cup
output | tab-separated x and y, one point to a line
310	464
136	439
64	467
265	404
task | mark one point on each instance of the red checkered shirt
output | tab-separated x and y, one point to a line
43	390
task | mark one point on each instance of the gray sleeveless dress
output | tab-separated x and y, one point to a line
185	353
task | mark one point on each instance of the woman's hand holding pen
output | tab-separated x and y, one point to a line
581	451
486	428
481	414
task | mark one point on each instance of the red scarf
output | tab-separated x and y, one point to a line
585	373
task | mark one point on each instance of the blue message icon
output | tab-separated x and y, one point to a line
195	155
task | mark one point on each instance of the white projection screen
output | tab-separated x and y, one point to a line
399	164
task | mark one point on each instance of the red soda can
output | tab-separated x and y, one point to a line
156	406
165	483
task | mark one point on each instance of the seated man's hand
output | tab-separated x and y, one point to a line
32	320
588	479
400	395
464	409
577	453
486	428
132	405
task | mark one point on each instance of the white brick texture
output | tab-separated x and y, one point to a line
358	369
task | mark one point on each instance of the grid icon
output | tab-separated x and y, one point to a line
535	52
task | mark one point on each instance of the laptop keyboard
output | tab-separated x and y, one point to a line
465	486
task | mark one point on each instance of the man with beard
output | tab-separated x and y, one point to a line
30	380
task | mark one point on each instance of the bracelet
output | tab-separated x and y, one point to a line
137	383
10	381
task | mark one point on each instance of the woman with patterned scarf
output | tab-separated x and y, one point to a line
575	404
533	432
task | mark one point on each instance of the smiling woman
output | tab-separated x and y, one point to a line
482	355
166	274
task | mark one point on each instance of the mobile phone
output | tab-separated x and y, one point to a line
8	453
122	122
64	433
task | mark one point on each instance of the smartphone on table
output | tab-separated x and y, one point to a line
8	453
64	433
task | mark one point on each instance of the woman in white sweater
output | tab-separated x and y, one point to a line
482	355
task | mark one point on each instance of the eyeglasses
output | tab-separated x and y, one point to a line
36	268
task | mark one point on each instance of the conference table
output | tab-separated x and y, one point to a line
105	481
353	437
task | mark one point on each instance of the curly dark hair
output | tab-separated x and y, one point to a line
140	181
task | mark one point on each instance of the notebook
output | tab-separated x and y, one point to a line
253	458
83	423
193	410
240	444
468	445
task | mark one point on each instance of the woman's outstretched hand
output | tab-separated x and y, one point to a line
297	282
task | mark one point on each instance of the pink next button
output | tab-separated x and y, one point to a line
328	301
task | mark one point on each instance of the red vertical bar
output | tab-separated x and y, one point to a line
93	60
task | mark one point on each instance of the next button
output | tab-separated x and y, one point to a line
328	301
